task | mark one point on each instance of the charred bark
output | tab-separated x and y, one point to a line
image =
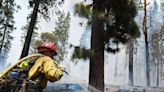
30	30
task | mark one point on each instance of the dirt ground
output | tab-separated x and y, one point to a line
84	88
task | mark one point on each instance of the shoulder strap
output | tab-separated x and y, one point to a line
20	61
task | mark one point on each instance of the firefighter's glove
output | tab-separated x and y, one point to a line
61	67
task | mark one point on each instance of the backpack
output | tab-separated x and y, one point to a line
15	77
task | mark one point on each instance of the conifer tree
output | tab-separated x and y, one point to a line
112	22
42	7
7	9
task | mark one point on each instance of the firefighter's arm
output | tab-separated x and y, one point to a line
51	71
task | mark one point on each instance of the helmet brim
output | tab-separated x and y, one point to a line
42	49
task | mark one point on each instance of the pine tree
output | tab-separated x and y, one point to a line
1	3
112	22
41	6
61	32
34	36
157	53
59	36
7	10
44	37
131	56
30	29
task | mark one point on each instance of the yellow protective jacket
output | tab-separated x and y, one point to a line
46	67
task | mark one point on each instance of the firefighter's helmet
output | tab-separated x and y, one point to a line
47	46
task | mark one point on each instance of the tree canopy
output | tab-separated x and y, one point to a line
7	9
119	22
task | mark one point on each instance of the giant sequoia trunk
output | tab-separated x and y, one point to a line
96	74
30	30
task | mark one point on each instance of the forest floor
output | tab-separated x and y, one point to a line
133	89
84	88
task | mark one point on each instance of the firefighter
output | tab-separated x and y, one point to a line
33	73
45	68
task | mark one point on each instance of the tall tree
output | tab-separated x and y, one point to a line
131	50
30	30
96	79
35	34
61	32
44	37
162	10
41	6
161	45
111	24
33	38
146	43
1	3
7	10
157	54
59	36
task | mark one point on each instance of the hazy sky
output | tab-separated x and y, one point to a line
111	68
20	19
74	38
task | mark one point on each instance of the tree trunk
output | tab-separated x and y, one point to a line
147	63
158	69
1	1
131	63
116	62
3	39
96	73
146	44
159	54
30	30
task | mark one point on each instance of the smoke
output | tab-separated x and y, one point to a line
3	65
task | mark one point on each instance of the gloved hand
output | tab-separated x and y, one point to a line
61	67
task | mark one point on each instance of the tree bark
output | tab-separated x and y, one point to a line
131	63
3	39
96	74
146	44
158	69
1	1
30	30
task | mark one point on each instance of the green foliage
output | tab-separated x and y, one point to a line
82	53
43	8
44	37
83	10
7	9
62	29
59	36
134	30
61	32
155	5
118	17
50	36
34	35
157	44
46	6
25	29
